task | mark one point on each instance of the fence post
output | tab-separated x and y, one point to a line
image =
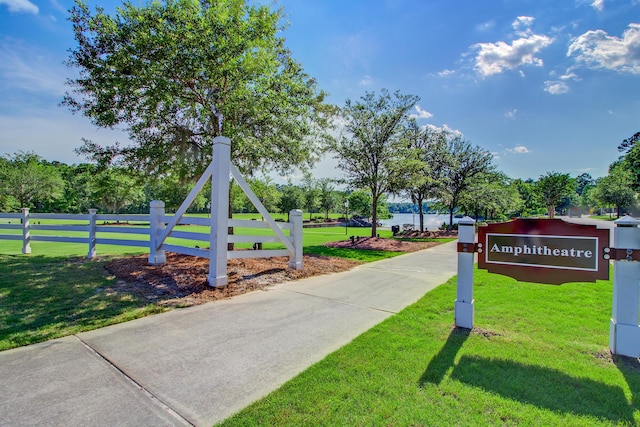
464	293
624	331
92	233
295	218
219	233
156	226
26	232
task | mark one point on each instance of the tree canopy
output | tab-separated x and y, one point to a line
373	145
177	73
465	163
553	187
615	189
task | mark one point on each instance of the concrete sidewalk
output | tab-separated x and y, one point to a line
199	365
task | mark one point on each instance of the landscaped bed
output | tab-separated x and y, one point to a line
182	280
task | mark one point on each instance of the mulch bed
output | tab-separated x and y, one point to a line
182	280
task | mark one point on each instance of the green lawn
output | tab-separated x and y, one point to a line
44	297
56	291
538	355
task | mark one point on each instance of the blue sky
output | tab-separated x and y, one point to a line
543	85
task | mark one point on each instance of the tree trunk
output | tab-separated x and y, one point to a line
374	220
421	213
451	217
551	210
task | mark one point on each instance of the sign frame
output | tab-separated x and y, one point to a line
547	230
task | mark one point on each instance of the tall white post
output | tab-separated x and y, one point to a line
219	212
26	232
624	331
92	233
464	294
156	227
295	217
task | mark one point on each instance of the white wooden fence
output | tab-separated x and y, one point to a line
95	229
162	226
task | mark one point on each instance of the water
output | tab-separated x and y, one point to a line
431	221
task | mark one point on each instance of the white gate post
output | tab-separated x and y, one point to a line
156	226
464	293
624	331
26	232
219	212
295	217
92	233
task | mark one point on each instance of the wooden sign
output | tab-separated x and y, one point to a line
544	251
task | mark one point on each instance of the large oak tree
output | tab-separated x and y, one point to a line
177	73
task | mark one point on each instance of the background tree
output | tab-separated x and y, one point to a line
311	193
491	194
465	163
631	158
532	203
328	198
360	203
114	189
28	178
175	74
291	197
267	192
426	176
615	189
171	190
553	188
373	145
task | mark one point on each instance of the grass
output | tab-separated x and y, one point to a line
604	217
44	297
55	291
538	356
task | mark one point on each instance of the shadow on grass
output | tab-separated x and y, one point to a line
630	369
539	386
48	297
444	360
545	388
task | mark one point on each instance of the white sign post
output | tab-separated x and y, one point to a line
464	294
624	332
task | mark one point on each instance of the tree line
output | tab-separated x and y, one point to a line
175	74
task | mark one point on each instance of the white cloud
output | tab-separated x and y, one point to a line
422	114
519	149
20	6
598	5
366	81
511	114
555	87
494	58
23	68
53	133
597	49
445	73
569	75
522	25
444	128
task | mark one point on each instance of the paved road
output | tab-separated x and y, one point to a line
199	365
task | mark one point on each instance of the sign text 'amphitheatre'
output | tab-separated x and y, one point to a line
544	251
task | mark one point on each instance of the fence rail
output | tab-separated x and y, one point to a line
88	224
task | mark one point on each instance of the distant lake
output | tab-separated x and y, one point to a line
431	221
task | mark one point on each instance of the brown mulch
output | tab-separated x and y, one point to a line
398	244
182	280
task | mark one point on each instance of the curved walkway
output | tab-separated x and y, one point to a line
199	365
